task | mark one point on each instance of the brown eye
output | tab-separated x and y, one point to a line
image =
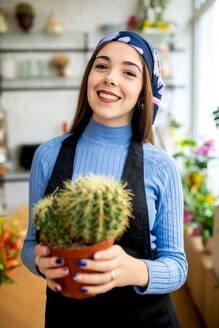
130	73
100	66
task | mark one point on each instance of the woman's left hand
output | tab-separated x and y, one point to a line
112	268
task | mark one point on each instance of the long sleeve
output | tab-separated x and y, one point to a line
169	270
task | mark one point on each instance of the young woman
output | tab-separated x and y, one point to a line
112	135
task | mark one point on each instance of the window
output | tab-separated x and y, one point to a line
207	76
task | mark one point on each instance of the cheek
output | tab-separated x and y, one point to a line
90	86
93	79
89	82
134	91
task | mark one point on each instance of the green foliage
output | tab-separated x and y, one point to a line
158	7
93	209
24	8
159	4
9	250
216	117
199	203
4	278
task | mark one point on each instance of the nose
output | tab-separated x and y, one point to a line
110	81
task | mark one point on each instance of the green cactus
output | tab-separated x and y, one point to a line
93	209
24	8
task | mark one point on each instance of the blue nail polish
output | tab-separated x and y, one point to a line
59	261
56	289
47	251
84	290
82	263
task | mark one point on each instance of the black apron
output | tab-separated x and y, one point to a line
121	305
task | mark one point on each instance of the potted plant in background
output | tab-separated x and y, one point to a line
152	16
199	202
81	219
10	248
3	15
25	14
59	63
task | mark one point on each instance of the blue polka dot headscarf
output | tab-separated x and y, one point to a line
150	56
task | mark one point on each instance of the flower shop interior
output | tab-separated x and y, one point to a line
42	60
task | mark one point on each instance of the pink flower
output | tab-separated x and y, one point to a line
187	217
197	231
204	150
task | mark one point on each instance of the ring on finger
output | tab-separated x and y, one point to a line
112	275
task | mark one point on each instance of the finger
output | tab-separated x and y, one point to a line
101	266
52	284
49	262
98	289
108	254
56	273
93	278
41	250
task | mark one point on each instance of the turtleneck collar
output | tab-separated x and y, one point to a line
107	134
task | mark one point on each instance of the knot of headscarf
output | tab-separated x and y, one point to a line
150	56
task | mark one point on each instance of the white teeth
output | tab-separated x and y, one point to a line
111	97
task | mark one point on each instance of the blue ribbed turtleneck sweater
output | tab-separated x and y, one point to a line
103	150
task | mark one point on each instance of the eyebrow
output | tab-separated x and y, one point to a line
124	63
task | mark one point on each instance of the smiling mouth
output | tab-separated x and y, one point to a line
106	97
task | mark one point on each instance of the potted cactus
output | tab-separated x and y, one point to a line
81	219
25	14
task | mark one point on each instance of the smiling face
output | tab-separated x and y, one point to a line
114	84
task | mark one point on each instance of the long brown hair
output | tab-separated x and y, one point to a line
141	119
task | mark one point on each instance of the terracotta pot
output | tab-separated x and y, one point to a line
71	288
208	248
25	21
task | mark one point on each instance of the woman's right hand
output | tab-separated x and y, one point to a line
51	267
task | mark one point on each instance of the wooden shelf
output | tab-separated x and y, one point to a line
202	281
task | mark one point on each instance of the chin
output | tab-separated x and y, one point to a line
104	116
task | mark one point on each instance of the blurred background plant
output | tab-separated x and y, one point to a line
199	201
152	15
10	248
215	115
25	14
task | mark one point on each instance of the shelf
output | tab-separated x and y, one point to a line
39	50
175	86
42	42
69	41
41	84
57	84
15	176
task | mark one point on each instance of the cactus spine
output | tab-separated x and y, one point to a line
93	209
